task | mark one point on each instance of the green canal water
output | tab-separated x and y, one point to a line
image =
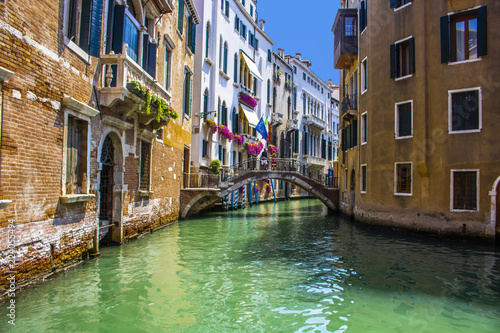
286	267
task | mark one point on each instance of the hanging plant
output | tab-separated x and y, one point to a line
247	99
215	166
272	148
212	125
239	139
225	132
163	110
253	149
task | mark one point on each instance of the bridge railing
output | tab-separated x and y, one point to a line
200	180
277	164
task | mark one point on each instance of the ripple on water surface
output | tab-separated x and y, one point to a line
286	267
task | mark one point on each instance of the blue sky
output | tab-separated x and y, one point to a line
303	27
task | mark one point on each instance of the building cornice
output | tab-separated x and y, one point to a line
252	21
193	11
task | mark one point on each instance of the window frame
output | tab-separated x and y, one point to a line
396	180
84	169
364	128
450	111
396	120
396	62
364	75
150	170
363	182
452	190
204	149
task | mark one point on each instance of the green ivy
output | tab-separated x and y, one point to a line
164	110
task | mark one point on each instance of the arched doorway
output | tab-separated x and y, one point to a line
110	190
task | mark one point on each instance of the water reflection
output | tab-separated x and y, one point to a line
287	267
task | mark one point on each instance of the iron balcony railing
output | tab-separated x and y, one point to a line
350	102
201	180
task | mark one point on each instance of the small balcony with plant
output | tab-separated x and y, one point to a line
349	106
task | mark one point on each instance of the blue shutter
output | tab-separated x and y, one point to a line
445	39
119	24
235	70
393	3
482	32
152	60
205	107
85	25
393	61
224	67
95	28
111	14
412	55
145	51
227	9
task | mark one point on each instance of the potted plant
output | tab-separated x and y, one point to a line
214	167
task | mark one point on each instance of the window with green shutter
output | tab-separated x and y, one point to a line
464	35
180	16
403	58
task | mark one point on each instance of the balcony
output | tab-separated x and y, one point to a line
292	124
345	38
315	162
349	107
247	97
316	122
277	118
120	69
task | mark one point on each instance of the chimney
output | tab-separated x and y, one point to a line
330	82
281	52
298	55
261	25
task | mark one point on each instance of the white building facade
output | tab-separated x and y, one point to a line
234	68
313	106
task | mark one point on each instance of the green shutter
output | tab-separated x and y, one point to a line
236	69
445	39
205	107
393	61
180	16
190	94
224	67
412	55
193	37
482	29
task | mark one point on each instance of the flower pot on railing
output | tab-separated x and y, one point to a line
247	100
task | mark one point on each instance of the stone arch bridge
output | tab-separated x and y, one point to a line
203	191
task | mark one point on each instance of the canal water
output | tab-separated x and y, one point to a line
286	267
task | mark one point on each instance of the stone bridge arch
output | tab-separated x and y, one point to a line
194	201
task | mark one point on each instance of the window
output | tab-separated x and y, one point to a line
363	179
243	2
464	36
83	27
188	89
465	110
364	77
363	16
268	91
145	165
403	179
205	105
269	55
235	122
180	16
345	180
399	3
204	149
166	68
294	69
191	34
226	12
235	68
403	58
350	26
465	184
224	66
237	23
251	10
207	41
404	123
76	156
364	128
304	76
223	115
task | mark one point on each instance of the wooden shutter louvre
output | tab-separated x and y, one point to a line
445	39
482	32
95	28
393	61
152	60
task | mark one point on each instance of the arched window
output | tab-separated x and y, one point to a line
205	104
235	68
223	116
304	100
289	107
224	68
236	129
220	53
207	41
268	91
